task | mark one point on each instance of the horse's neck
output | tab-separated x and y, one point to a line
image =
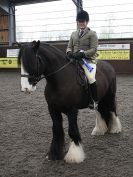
54	62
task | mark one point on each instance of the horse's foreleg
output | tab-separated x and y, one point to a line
57	145
75	153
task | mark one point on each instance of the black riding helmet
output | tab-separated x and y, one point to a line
82	16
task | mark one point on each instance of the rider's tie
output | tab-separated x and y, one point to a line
81	32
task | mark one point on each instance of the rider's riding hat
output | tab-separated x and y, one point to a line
82	16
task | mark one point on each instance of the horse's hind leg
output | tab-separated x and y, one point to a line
75	153
57	145
110	115
101	126
114	124
107	119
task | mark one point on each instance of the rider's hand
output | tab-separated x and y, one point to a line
78	55
70	54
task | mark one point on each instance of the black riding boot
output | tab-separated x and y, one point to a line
93	88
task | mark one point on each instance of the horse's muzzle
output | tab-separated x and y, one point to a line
28	90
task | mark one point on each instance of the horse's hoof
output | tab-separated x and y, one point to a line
116	130
75	154
51	156
97	132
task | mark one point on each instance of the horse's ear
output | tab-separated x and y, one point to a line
38	44
35	45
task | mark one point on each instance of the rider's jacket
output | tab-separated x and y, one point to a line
87	42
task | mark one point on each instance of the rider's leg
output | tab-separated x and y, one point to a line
93	88
92	81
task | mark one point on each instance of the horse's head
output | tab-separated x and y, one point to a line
28	58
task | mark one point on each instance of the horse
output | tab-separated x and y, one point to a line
65	95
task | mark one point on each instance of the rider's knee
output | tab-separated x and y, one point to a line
91	80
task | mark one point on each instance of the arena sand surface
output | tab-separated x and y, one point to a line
25	135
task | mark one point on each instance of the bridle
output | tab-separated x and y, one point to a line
39	77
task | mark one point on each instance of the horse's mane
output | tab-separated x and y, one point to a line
30	62
27	57
21	48
54	49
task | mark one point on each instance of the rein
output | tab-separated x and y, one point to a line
38	78
64	66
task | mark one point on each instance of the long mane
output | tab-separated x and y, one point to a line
28	55
53	51
28	58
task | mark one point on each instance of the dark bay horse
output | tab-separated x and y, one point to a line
64	95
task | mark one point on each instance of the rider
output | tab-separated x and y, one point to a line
83	44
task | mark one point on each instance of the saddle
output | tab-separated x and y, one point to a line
81	76
83	81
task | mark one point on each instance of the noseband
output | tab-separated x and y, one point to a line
35	78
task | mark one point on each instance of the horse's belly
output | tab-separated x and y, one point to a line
77	98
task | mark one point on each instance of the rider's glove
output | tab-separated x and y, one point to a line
70	54
78	55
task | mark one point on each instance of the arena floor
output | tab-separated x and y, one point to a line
25	135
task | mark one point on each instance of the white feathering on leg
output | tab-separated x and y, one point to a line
75	154
101	127
115	126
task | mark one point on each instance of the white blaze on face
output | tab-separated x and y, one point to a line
25	85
